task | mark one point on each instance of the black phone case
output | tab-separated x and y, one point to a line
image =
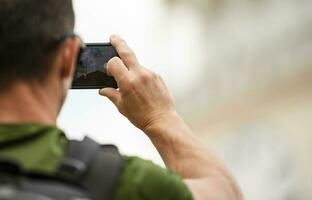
108	82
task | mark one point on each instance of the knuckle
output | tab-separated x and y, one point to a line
150	76
155	76
123	79
128	89
145	76
126	54
121	40
128	83
132	82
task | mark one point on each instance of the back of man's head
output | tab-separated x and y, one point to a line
28	29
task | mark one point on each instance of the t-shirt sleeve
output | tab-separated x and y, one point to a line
141	179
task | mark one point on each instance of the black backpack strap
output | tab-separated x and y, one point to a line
97	168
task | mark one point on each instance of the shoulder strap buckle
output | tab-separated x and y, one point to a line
77	159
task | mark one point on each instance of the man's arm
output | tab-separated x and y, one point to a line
203	173
144	99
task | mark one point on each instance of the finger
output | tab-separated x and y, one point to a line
112	94
124	51
116	68
106	70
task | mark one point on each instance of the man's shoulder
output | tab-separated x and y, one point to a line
142	179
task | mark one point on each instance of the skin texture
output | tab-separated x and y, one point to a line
144	99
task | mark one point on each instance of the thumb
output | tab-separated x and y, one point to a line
112	94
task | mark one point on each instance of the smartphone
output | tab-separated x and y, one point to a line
91	67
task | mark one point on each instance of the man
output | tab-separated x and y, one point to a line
35	74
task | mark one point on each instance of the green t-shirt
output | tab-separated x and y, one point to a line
41	148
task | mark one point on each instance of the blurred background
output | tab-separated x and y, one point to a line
241	74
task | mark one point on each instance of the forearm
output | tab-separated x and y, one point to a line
176	145
179	148
185	155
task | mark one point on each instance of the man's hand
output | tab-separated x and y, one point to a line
144	99
142	96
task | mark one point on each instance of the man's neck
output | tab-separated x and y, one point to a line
23	103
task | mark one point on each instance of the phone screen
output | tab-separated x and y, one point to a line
91	67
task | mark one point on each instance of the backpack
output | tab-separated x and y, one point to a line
89	171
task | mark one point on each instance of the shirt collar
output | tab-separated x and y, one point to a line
17	132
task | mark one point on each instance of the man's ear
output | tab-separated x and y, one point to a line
68	56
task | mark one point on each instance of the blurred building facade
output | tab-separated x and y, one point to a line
252	98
